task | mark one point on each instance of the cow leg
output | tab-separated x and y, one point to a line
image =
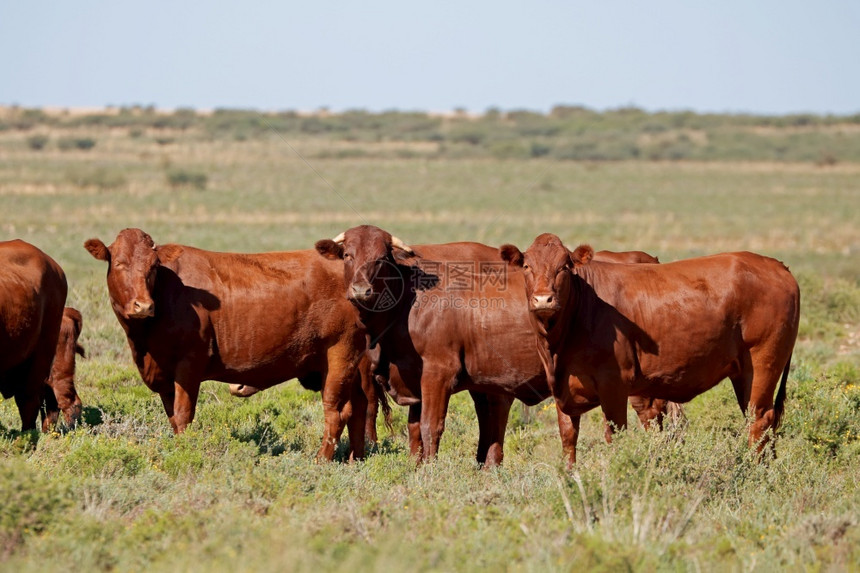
28	395
416	446
28	408
339	383
493	411
482	408
359	420
435	395
372	410
614	406
568	429
755	404
433	413
184	404
766	377
168	397
335	406
186	388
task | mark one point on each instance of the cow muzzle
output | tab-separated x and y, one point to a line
544	303
360	292
73	414
142	309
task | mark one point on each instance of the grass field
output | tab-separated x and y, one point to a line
240	490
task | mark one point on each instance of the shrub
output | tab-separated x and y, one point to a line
31	501
82	143
826	159
105	457
186	178
540	149
834	423
608	148
510	149
100	177
37	142
472	134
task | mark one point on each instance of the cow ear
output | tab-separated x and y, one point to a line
168	253
512	255
582	255
329	249
97	249
402	256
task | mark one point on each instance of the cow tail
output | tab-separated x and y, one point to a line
382	399
779	402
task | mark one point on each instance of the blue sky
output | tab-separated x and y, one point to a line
738	56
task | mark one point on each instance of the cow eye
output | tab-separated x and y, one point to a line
526	267
346	256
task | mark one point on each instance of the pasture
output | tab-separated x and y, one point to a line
240	490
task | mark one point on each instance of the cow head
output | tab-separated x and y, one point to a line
547	269
132	263
370	271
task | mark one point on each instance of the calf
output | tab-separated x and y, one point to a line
59	392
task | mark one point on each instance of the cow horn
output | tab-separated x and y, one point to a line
395	242
339	238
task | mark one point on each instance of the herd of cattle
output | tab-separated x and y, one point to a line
365	316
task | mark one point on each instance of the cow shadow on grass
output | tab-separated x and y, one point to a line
390	446
27	440
92	416
265	437
20	441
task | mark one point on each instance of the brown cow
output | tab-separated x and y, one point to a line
59	392
492	409
257	319
32	295
672	331
439	337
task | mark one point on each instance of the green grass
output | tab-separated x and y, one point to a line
240	490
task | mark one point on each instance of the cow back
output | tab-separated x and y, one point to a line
259	317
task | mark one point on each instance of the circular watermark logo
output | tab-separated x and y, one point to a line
387	287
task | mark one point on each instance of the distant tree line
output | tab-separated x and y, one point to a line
565	133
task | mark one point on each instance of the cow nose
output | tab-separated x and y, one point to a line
542	301
361	292
142	308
